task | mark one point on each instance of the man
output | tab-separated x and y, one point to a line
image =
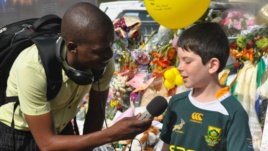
88	34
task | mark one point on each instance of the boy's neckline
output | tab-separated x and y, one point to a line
214	105
219	96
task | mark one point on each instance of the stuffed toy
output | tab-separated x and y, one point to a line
144	141
159	118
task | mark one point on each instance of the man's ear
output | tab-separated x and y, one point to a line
71	46
214	65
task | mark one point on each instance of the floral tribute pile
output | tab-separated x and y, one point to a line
138	60
146	66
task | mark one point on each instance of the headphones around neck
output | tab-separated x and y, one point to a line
78	76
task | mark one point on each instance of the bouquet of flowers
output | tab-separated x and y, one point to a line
236	20
159	62
120	99
163	58
250	47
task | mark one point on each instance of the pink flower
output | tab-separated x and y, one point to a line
237	24
250	22
133	96
143	58
174	42
120	23
238	14
230	15
225	21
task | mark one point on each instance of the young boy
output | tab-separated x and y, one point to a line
208	117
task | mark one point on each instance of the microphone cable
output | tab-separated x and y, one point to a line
102	105
104	113
132	142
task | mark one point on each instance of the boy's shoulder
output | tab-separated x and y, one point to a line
232	104
179	96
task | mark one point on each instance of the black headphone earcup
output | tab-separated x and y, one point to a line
79	77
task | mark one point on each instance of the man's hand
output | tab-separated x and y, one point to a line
129	127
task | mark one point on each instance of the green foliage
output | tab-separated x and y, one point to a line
262	43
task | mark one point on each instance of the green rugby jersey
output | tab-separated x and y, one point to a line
221	125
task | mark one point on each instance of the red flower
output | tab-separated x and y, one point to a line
233	45
236	64
249	44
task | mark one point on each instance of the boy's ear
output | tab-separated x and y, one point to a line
214	65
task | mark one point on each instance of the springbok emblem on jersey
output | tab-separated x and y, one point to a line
178	126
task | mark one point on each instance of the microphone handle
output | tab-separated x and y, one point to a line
145	115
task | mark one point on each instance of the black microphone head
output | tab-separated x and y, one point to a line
157	106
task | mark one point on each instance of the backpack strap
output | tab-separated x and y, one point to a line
45	20
47	46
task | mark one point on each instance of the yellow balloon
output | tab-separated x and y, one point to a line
179	80
169	75
169	85
176	14
175	70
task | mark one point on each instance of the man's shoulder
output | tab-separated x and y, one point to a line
29	54
29	58
27	62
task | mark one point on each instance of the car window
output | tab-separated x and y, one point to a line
142	14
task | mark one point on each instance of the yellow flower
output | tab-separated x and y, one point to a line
113	103
142	45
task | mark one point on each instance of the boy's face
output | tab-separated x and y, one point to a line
194	73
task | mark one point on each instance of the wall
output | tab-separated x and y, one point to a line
15	10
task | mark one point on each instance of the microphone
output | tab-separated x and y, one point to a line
156	107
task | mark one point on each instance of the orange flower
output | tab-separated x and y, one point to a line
154	61
248	53
160	63
156	55
164	63
155	72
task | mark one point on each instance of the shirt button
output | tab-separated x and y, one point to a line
77	95
63	124
69	107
